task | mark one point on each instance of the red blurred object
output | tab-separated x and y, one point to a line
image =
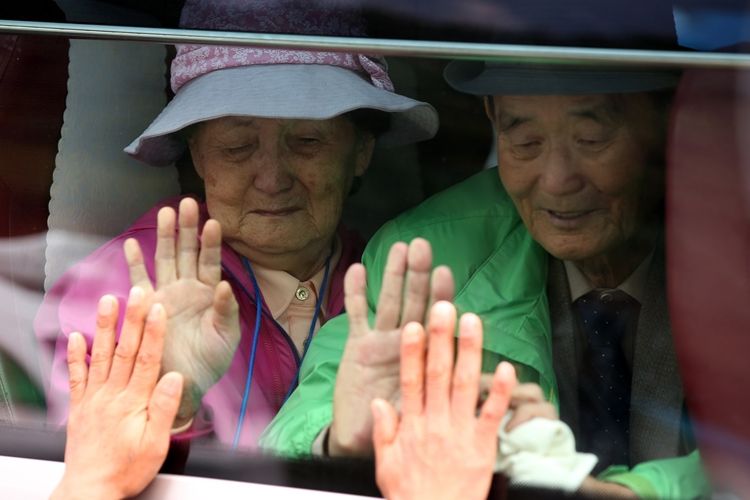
708	246
33	86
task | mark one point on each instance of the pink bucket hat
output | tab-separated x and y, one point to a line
215	81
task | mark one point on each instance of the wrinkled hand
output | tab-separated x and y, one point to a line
370	364
203	328
528	402
120	417
601	489
438	447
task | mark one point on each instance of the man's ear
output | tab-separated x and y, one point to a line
363	154
489	108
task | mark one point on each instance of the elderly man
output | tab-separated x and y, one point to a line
558	251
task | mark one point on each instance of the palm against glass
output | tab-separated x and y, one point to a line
369	367
203	328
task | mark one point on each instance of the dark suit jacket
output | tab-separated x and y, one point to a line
657	419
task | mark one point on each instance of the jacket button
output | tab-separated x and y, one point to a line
302	293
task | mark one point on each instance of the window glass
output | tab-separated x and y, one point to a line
702	24
97	135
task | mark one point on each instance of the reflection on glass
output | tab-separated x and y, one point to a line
560	250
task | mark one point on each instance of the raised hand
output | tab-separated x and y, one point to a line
120	416
438	447
203	328
370	364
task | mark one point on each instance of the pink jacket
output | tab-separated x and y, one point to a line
71	306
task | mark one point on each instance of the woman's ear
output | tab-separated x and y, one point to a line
364	152
195	154
489	108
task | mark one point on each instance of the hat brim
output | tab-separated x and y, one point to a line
491	78
291	91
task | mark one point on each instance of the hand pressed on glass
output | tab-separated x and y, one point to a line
120	412
370	364
203	324
438	447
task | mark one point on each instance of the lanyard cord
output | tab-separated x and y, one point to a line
256	334
253	349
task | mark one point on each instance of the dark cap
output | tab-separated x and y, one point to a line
503	78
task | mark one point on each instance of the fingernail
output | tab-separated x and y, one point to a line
106	304
507	369
136	294
377	408
74	340
172	383
155	312
443	308
411	333
469	321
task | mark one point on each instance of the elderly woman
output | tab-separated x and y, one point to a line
277	137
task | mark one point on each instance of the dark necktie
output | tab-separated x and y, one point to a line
605	381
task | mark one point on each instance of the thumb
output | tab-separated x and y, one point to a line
164	402
226	317
385	423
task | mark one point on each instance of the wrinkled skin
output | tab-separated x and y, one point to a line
203	328
369	367
583	175
277	186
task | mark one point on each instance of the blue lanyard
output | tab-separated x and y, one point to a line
256	334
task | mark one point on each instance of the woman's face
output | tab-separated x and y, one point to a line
278	186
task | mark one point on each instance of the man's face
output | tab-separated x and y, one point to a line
277	186
579	168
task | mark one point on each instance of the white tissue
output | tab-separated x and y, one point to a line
542	453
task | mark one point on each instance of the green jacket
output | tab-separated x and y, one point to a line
501	275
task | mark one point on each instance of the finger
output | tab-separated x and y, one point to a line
389	301
493	410
148	360
385	424
417	290
485	384
77	368
187	239
465	388
136	265
209	260
526	412
162	407
104	341
226	317
441	285
413	342
442	324
130	339
355	299
166	267
526	393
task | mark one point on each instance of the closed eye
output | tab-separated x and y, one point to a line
239	152
593	143
308	140
237	149
305	144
